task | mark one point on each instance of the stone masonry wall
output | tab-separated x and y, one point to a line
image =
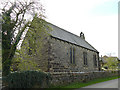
60	57
41	56
59	79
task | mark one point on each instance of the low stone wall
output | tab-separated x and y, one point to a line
65	78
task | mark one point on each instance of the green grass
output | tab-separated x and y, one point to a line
79	85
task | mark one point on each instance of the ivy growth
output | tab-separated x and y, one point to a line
31	49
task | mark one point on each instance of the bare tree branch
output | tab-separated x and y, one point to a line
15	23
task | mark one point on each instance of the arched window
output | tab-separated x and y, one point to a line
85	58
94	60
72	55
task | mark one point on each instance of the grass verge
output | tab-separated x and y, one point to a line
81	84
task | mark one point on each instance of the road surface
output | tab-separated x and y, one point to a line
0	80
106	84
0	83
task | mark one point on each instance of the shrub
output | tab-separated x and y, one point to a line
27	79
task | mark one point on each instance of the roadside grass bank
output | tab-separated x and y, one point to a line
83	84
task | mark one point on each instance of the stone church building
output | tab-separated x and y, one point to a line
71	53
67	52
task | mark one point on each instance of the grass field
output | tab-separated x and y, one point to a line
79	85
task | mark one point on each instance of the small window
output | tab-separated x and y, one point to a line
30	48
29	51
85	58
72	55
94	60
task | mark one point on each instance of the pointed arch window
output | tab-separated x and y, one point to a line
72	55
85	58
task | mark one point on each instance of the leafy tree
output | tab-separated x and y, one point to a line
111	63
0	59
14	23
32	46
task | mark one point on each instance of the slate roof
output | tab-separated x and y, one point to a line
62	34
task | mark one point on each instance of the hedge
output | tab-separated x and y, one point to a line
27	79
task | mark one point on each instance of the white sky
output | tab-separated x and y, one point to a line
97	19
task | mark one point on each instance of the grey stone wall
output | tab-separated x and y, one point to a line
59	79
55	57
60	57
38	60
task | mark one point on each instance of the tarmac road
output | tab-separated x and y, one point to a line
0	83
106	84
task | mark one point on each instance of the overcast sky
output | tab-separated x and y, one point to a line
97	19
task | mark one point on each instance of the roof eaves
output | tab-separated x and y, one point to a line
74	44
